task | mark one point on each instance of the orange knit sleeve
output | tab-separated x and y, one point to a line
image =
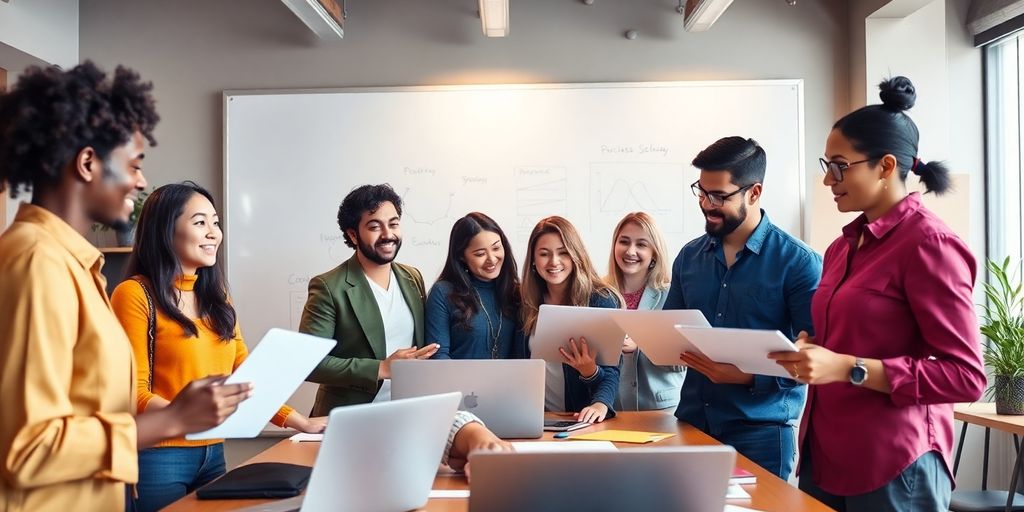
129	304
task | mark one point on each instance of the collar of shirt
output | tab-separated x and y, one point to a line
80	248
884	224
754	242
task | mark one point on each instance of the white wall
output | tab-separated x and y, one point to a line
929	44
196	49
45	29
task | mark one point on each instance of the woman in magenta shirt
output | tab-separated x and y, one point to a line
897	339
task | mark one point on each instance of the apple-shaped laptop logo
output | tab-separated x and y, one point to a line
470	401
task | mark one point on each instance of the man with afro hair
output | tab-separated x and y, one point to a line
68	433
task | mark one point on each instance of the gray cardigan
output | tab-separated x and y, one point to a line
642	384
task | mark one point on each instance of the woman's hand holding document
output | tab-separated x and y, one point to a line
814	364
276	367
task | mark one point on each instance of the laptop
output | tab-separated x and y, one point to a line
377	457
693	478
506	394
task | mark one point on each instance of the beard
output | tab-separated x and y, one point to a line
728	225
121	225
371	253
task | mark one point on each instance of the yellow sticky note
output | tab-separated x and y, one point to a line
623	436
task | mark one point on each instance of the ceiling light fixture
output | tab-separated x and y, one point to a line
324	17
699	15
494	17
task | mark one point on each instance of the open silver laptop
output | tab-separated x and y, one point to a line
377	457
507	394
685	478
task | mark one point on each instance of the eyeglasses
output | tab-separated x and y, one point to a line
714	198
838	168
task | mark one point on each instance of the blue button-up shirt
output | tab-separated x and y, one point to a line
769	286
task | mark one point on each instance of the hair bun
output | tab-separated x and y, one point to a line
897	93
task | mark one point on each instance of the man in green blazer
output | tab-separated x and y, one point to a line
372	306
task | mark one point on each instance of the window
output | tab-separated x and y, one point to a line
1004	62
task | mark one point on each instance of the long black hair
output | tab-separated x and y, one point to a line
879	130
457	273
153	258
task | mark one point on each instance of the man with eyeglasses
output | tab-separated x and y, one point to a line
745	272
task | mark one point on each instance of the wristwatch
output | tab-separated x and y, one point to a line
859	373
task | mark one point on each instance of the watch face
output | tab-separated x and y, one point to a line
858	374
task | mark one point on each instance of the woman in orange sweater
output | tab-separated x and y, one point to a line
182	326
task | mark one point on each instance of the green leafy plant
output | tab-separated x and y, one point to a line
132	217
1003	321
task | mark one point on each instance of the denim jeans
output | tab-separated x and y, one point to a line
168	474
769	445
923	487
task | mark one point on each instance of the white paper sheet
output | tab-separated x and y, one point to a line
449	493
655	333
276	367
746	348
734	508
556	324
735	492
564	446
303	437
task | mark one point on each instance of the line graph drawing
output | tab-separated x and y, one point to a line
617	188
428	220
540	191
628	195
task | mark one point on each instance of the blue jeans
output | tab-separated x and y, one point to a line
168	474
769	445
923	486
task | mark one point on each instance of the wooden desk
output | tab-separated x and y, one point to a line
984	414
770	493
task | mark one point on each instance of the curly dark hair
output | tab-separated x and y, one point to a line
366	198
50	115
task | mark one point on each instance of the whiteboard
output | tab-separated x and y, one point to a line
588	152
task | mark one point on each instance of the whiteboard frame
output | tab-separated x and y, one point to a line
794	82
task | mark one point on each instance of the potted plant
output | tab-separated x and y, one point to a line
1003	326
126	237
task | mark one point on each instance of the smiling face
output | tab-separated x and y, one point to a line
551	259
197	235
724	219
484	255
379	236
634	250
116	182
862	187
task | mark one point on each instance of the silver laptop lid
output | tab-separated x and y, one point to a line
381	456
507	394
684	478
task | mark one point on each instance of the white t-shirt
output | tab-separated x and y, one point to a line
554	387
399	325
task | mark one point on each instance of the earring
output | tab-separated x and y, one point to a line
651	266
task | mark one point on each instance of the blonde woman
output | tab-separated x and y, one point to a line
558	270
638	269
